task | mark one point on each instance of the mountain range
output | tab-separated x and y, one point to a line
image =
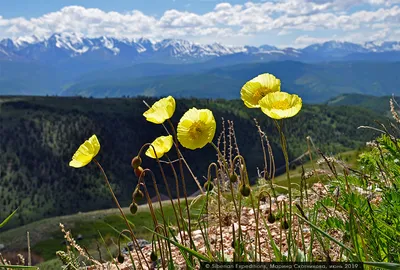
60	47
73	65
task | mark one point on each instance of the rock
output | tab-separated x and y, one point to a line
281	198
141	242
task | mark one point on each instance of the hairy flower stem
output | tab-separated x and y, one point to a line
153	215
177	196
180	157
271	173
161	208
285	154
219	204
169	192
257	218
122	213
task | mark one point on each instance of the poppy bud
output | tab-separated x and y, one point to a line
208	185
233	178
153	256
233	244
120	258
271	218
136	162
138	171
285	225
244	190
133	208
137	195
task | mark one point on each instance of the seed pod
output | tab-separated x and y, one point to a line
153	256
208	185
136	162
285	225
271	218
133	208
120	258
138	171
137	195
244	190
233	178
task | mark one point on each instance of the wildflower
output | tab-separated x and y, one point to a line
254	90
161	110
85	153
161	146
280	105
196	128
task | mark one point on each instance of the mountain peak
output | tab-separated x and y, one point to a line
60	46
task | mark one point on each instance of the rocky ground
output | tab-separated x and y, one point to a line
249	228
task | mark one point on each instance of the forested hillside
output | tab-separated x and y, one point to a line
40	134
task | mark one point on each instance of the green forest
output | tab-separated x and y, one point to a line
40	134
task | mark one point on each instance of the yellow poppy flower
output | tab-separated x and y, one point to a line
85	153
162	145
161	110
254	90
196	128
280	105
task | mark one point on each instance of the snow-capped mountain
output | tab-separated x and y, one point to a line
335	49
70	47
61	46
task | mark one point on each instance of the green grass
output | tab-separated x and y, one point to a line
349	157
46	237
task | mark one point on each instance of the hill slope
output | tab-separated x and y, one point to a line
377	104
314	82
40	134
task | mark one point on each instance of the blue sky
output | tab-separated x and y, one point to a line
282	23
35	8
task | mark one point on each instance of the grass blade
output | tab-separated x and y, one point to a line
390	266
8	218
180	246
328	236
17	266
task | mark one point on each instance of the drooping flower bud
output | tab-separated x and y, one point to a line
285	225
136	162
120	258
271	218
233	178
133	208
137	195
138	171
244	190
153	256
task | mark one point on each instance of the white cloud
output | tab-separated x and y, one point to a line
294	19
